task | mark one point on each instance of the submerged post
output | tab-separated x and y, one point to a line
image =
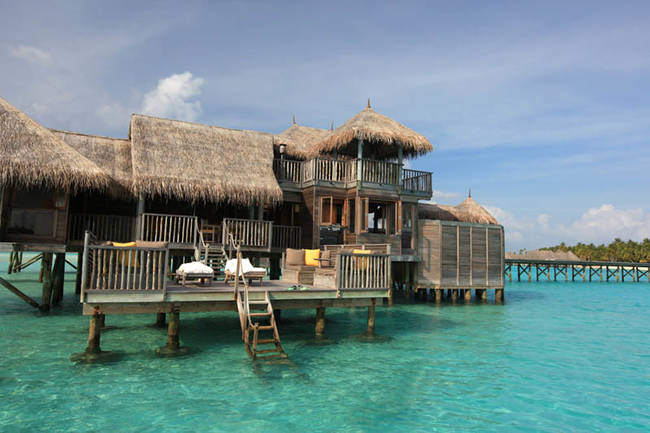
46	265
172	331
94	333
320	321
498	296
58	278
371	316
468	295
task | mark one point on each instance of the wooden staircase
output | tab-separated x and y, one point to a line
213	256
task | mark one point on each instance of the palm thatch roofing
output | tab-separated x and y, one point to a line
468	211
112	155
196	162
381	135
299	139
31	155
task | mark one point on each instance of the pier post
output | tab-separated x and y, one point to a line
58	279
172	331
454	295
320	321
438	295
371	317
94	333
160	320
498	296
468	295
77	284
46	269
483	295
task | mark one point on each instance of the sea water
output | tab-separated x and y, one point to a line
555	357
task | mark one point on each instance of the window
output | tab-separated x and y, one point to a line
326	211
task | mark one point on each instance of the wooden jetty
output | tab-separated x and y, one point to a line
554	270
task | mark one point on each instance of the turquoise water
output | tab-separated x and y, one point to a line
556	357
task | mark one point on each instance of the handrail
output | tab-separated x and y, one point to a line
363	271
175	229
107	267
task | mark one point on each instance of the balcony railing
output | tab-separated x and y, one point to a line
286	237
174	229
105	227
344	171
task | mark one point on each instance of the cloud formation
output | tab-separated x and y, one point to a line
598	225
31	54
173	97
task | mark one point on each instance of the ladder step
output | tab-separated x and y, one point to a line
266	341
258	302
265	327
259	314
277	349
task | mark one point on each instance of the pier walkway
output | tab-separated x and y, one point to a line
580	270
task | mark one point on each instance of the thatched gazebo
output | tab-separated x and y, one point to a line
194	162
33	156
112	155
373	135
299	140
469	211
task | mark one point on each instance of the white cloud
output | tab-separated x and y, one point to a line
173	97
31	54
598	225
444	195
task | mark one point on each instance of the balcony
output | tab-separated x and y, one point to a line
344	173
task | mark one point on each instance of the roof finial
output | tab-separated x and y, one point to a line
332	126
470	193
368	103
294	119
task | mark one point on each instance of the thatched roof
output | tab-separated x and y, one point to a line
381	137
194	162
31	155
299	139
468	211
112	155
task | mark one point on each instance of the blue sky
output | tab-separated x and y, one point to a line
542	108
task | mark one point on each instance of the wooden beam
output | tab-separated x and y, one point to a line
13	289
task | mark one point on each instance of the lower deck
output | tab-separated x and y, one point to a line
218	296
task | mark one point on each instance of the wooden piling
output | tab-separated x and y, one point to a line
498	296
58	278
46	297
94	333
438	294
454	295
371	317
172	330
483	295
320	321
77	284
468	295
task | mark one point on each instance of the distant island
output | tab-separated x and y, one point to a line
616	251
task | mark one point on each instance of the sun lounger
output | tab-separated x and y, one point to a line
247	270
194	271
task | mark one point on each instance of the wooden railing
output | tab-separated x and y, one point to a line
345	170
105	227
288	170
361	271
381	172
286	237
174	229
375	248
414	180
123	268
248	233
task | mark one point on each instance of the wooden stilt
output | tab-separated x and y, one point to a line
58	278
77	285
160	320
454	295
371	317
438	293
46	297
94	334
483	295
172	331
498	295
320	321
42	271
10	263
468	295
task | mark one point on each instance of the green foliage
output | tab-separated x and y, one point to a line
616	251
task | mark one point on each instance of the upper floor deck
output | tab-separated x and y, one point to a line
351	173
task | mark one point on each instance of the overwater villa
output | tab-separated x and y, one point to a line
309	218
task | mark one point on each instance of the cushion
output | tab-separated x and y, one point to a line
124	244
361	263
311	256
150	244
295	257
246	267
194	268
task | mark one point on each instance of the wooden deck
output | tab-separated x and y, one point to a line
218	296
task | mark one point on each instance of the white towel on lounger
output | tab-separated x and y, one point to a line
195	268
246	267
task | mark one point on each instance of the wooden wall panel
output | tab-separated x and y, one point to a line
478	256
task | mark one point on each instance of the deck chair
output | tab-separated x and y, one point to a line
247	270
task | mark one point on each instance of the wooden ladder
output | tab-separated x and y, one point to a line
258	322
